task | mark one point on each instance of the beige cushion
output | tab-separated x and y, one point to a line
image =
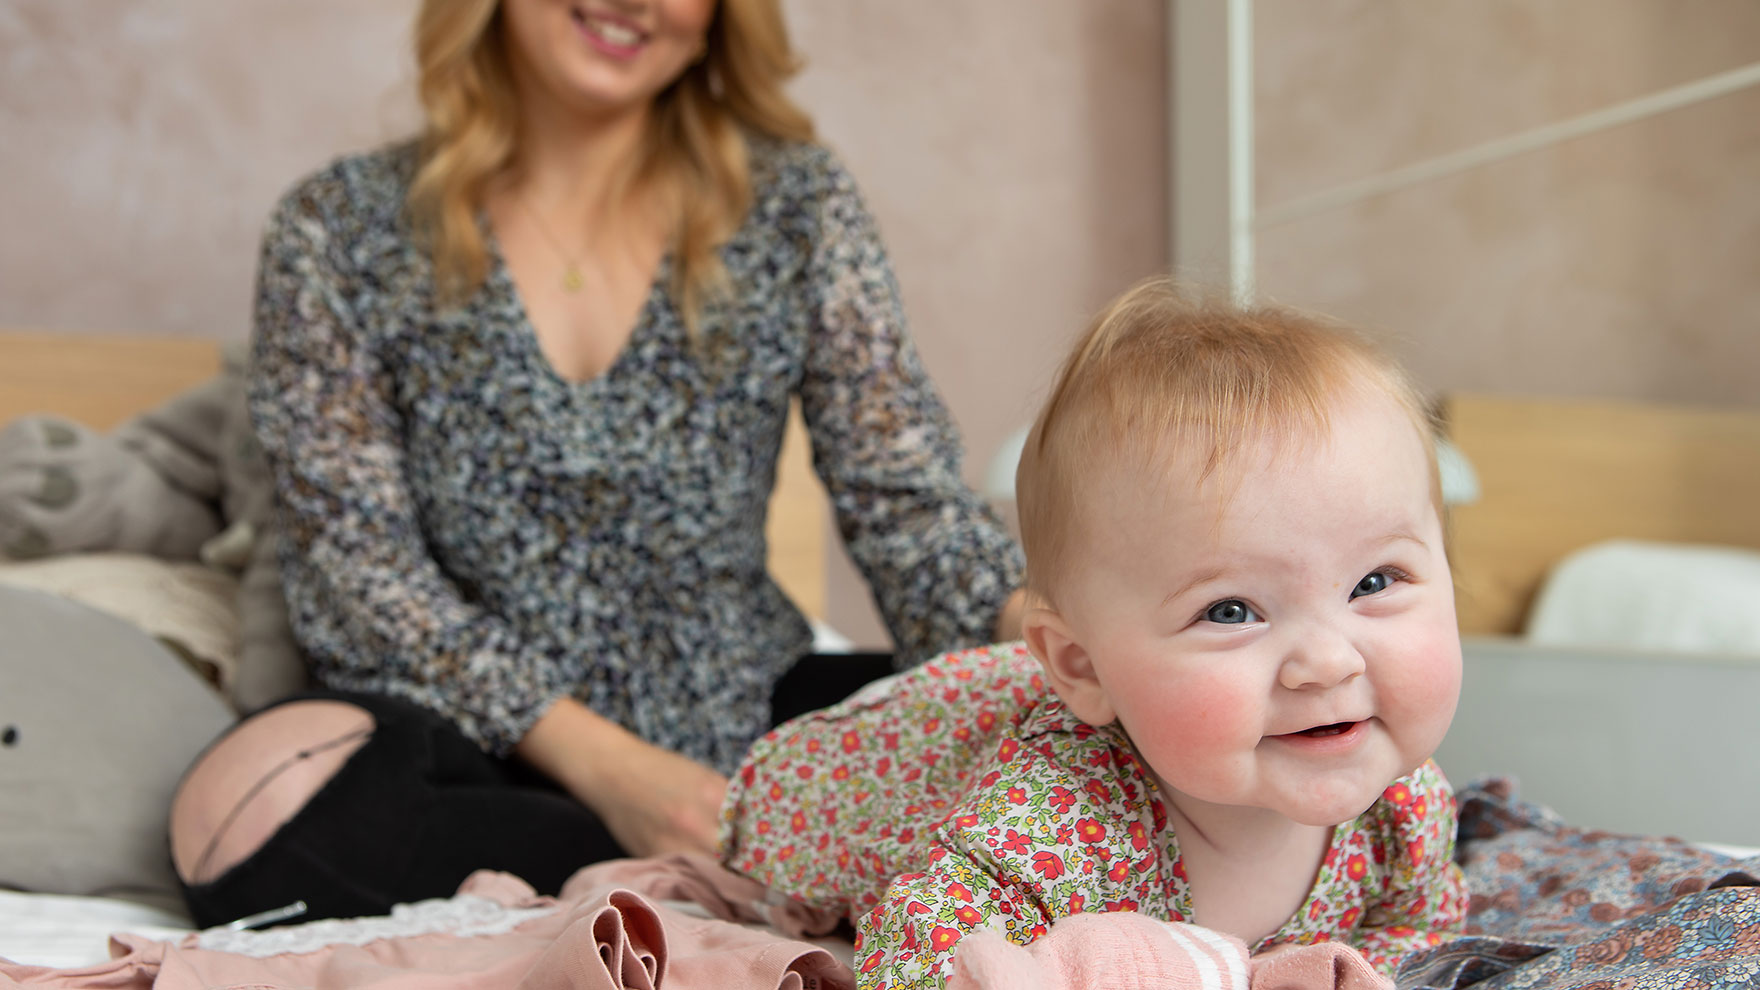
1647	595
190	606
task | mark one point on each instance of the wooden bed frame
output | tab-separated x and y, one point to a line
1557	475
101	380
97	380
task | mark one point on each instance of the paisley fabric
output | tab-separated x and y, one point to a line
467	529
1567	907
963	796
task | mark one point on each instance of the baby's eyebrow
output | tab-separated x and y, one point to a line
1202	577
1400	536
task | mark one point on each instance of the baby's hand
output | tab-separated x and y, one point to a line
1322	964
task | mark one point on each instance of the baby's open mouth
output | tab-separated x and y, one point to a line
1336	728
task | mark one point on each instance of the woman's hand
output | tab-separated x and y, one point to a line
653	800
660	802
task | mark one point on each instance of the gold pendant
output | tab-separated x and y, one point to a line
571	279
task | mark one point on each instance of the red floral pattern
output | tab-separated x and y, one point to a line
966	796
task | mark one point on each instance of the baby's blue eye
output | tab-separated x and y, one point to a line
1371	584
1230	612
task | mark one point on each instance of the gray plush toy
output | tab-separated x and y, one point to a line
88	774
183	481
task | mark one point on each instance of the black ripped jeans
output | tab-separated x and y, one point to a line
419	807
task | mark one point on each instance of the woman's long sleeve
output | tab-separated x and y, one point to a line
369	603
938	561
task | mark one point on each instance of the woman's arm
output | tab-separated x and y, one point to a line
941	566
367	599
365	596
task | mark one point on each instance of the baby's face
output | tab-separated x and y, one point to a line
1282	636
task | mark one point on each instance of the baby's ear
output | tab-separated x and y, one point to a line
1068	666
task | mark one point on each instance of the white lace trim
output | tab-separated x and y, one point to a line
463	915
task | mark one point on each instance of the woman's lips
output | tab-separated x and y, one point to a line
609	35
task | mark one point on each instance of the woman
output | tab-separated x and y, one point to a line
522	383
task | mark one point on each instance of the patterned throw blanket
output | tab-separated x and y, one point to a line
1569	908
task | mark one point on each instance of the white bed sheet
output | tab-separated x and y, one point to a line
54	930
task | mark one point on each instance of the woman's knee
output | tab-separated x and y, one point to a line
256	777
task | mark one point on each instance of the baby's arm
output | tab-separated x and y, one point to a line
1426	899
908	940
1124	950
958	926
1118	950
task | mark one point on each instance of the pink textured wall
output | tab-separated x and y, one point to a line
1015	155
1619	264
1012	152
143	143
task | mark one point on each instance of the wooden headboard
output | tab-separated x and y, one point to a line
101	380
97	380
1556	475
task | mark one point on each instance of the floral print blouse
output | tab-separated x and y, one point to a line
963	795
465	528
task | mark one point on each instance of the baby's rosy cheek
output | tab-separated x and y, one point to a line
1430	680
1194	718
1440	663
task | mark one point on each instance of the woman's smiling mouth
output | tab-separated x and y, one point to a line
609	33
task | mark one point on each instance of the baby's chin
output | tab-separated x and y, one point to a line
1311	807
1329	814
1333	805
1336	802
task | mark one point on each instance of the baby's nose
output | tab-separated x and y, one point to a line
1320	658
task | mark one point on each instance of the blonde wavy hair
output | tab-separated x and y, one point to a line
694	154
1168	370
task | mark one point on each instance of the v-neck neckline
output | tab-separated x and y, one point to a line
503	282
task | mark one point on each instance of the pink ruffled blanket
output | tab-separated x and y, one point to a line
641	925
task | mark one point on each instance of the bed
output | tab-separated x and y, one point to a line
1619	738
1589	515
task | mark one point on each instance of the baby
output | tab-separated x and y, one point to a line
1240	654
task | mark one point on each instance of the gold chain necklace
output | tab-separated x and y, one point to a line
571	271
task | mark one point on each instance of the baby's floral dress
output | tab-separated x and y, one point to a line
962	795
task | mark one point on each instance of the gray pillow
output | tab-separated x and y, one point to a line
97	724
